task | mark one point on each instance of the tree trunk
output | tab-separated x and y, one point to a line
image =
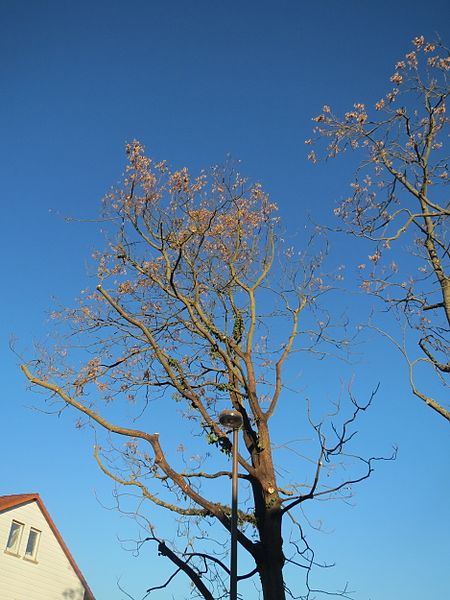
270	556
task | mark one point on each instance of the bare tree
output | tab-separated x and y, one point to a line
190	317
400	204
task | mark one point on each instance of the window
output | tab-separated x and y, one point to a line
32	544
15	535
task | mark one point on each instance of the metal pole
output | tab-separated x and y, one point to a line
234	496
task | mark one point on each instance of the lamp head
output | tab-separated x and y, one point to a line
231	419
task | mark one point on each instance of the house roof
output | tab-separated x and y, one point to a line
15	500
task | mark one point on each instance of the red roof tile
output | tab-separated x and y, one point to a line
14	500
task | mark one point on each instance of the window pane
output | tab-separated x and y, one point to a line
14	537
32	543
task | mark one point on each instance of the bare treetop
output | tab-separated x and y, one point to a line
400	203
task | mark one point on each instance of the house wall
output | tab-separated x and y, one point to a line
50	577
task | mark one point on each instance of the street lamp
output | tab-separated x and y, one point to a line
232	420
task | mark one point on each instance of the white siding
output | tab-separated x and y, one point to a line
51	577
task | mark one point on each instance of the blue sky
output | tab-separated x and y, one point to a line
195	82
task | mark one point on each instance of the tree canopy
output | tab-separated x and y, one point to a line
199	306
400	205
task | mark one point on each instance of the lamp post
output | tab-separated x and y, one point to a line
232	420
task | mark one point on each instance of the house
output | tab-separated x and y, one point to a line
35	563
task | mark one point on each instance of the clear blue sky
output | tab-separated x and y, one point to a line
196	81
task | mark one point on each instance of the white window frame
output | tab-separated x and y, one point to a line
14	549
32	555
